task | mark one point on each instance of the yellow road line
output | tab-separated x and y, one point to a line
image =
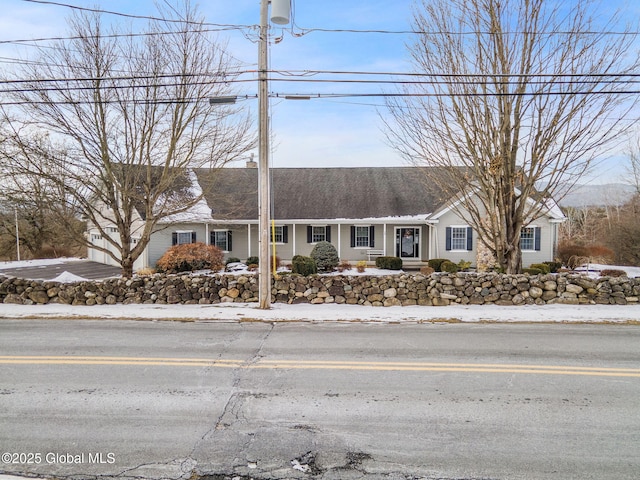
321	365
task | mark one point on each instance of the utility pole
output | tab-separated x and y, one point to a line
280	15
17	234
264	272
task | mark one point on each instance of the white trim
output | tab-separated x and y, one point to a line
384	239
293	244
249	240
419	219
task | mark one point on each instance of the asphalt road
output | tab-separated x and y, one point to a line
333	401
82	268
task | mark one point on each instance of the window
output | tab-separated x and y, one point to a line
362	236
222	240
182	236
316	233
112	229
459	238
530	239
281	234
319	234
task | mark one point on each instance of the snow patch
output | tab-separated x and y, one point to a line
67	277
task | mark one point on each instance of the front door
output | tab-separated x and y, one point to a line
408	242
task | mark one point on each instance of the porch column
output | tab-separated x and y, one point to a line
248	240
293	244
207	239
339	242
384	239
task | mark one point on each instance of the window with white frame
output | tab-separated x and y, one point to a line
221	239
279	234
182	237
362	236
458	238
530	239
318	234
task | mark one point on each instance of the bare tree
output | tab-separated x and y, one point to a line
46	226
516	100
633	168
117	121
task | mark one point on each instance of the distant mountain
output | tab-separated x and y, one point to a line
598	195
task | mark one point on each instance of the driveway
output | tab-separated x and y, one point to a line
81	268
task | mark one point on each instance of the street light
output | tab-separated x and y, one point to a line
219	100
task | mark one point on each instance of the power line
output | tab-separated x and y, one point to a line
139	17
26	41
127	77
305	31
313	96
291	76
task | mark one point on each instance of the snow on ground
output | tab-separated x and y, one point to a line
41	262
593	269
247	312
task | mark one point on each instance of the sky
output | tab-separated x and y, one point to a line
316	133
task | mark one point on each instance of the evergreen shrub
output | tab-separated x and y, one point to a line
543	267
326	256
436	263
303	265
449	267
389	263
532	271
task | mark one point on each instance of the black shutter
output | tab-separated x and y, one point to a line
353	236
372	236
536	238
229	244
174	238
212	238
328	233
193	237
285	234
448	238
469	238
309	234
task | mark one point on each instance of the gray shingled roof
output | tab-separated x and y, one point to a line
323	193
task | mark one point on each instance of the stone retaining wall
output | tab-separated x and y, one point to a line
389	290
